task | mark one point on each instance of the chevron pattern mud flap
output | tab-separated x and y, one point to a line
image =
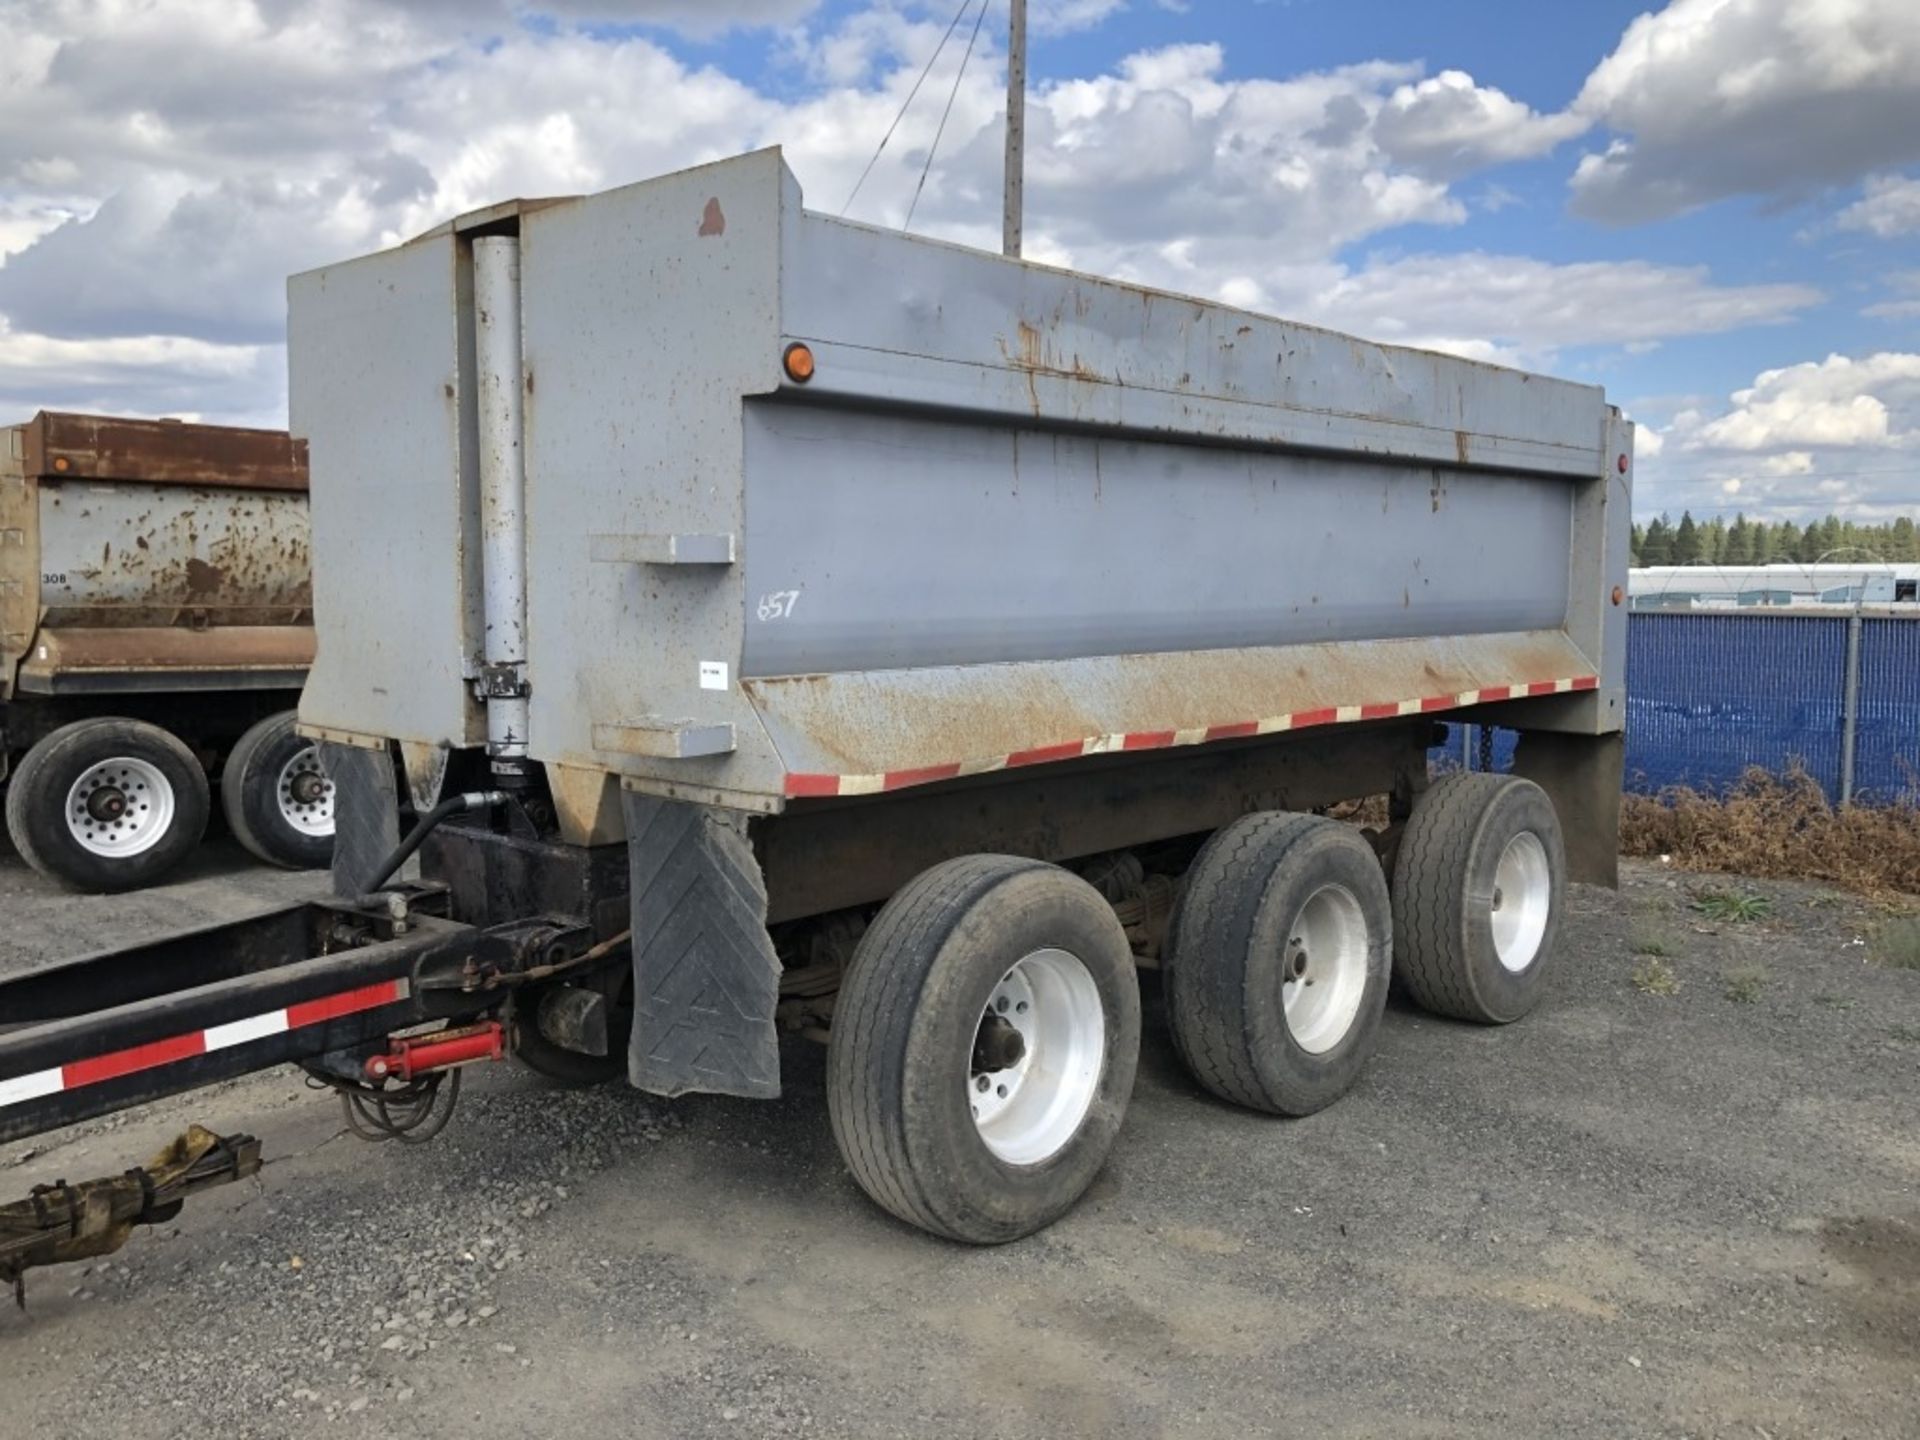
366	813
705	975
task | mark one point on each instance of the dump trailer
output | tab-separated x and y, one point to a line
155	628
765	624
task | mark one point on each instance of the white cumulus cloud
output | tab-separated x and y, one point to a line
1712	98
1889	206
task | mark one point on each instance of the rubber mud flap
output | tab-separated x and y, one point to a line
705	976
366	814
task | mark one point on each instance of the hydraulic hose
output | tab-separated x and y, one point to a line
424	826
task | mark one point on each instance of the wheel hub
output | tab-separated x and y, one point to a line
305	794
998	1045
120	807
1037	1057
1522	901
1324	970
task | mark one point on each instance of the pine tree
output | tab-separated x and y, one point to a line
1902	544
1656	546
1739	549
1687	542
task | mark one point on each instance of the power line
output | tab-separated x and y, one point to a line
925	71
952	94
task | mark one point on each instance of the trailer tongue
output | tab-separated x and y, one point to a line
853	636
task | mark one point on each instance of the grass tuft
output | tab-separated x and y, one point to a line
1736	906
1778	826
1654	976
1743	983
1648	942
1896	946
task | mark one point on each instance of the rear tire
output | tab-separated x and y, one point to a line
942	1116
1477	890
1278	962
107	805
277	800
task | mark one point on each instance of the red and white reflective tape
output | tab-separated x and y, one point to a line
799	786
75	1073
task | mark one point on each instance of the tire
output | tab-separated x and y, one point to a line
1266	895
278	802
912	1042
1472	838
107	805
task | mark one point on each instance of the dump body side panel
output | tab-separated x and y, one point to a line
909	542
125	554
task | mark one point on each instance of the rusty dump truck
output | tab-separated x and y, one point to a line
155	627
775	626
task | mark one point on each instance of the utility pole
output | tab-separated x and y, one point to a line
1016	162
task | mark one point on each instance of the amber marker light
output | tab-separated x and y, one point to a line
797	360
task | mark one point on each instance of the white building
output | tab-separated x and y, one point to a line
1722	586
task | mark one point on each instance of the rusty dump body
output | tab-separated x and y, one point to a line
140	557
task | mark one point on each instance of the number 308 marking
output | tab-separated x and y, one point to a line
778	605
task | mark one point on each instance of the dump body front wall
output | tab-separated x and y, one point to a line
379	369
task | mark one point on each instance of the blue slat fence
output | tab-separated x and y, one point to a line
1712	693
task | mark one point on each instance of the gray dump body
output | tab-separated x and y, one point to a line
1018	514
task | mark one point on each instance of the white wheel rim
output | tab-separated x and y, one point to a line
1521	902
305	794
1028	1110
1324	974
120	807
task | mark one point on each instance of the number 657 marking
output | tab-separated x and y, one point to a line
778	605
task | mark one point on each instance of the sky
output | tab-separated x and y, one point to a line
1712	208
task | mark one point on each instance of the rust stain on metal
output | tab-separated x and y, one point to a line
874	722
713	220
203	578
171	647
60	446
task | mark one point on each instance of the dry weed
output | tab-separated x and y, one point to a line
1778	826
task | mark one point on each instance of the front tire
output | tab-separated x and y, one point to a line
1478	882
983	1048
107	805
277	800
1278	962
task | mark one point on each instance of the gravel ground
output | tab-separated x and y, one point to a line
1636	1213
